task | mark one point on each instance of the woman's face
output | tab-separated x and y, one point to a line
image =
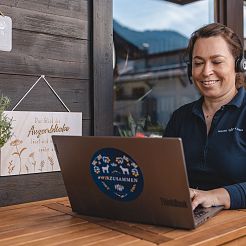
213	68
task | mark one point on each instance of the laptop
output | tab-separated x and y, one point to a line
133	179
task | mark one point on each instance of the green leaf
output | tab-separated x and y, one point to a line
5	122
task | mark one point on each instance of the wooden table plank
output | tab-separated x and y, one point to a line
56	219
39	227
116	240
238	242
217	221
64	202
32	235
114	225
120	240
142	243
52	222
83	240
152	228
33	204
27	214
68	236
214	235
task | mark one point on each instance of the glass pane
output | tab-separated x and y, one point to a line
244	19
150	80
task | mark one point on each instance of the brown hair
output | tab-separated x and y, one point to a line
231	38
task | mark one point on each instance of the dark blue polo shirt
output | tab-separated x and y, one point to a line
219	158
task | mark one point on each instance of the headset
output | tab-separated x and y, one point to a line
240	66
189	71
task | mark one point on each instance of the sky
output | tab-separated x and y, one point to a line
144	15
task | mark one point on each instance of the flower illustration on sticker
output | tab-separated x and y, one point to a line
116	174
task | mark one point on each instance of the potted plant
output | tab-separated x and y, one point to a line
5	122
143	127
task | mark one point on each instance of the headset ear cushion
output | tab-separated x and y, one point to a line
237	65
189	72
240	65
243	64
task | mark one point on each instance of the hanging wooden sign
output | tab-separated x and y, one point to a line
30	148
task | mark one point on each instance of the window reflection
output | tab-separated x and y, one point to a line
150	80
244	19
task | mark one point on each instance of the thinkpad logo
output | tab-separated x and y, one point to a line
173	202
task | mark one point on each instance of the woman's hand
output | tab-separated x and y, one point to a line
210	198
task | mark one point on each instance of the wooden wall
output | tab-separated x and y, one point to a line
230	13
70	42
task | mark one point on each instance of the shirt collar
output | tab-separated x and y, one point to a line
197	107
237	101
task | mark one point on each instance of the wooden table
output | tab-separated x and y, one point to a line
51	222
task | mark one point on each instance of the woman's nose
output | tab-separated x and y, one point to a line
207	69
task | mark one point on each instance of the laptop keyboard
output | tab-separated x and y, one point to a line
199	212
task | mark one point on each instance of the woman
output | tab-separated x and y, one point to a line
213	128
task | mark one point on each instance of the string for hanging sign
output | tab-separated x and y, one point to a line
52	89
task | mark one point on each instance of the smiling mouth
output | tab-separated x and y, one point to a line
209	82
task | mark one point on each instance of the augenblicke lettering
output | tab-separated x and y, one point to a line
53	129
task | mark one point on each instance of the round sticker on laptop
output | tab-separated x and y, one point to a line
116	174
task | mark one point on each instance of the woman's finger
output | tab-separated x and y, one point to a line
193	193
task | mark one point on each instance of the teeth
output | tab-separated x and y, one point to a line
210	82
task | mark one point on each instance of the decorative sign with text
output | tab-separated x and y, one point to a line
30	148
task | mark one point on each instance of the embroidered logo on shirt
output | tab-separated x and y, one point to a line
116	174
232	129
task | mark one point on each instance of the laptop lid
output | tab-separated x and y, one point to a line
134	179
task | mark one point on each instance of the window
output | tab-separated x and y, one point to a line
150	38
244	20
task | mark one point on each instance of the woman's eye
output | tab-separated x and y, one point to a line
217	62
198	63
